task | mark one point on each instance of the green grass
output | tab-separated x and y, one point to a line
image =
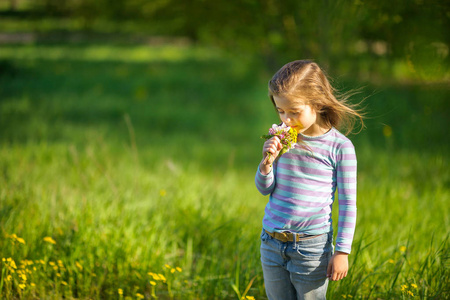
133	158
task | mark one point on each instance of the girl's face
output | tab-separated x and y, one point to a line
300	116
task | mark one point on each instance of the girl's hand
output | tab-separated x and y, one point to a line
338	266
272	146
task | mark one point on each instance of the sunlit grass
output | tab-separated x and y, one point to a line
132	176
135	54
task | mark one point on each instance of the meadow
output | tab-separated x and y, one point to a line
126	172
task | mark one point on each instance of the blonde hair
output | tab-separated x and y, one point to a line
305	80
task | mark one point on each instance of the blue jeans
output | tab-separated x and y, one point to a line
296	270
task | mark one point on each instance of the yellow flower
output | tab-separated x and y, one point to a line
13	264
172	270
250	298
24	277
391	261
387	130
162	193
140	296
162	277
79	266
403	287
179	269
410	293
153	283
167	266
32	284
20	240
8	278
414	286
120	291
402	248
22	286
64	283
155	276
49	240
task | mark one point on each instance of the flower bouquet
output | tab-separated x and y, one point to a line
287	136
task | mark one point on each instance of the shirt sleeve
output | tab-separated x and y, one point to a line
265	183
346	183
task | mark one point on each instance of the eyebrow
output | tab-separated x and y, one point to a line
290	108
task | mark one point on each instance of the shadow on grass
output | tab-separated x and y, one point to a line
203	106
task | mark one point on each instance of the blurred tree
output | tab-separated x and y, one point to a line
283	30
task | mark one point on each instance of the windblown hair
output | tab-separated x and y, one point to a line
305	80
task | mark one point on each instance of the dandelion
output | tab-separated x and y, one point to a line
172	270
32	284
15	238
79	266
286	134
152	283
387	131
414	286
22	286
120	291
140	296
49	240
64	283
162	193
410	293
12	263
167	266
179	269
404	287
391	261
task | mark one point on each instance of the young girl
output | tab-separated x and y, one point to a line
296	242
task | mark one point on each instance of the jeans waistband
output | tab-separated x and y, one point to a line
287	236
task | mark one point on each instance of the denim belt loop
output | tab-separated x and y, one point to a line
295	240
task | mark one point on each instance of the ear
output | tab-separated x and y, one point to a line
318	108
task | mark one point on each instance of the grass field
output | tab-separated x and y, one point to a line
127	172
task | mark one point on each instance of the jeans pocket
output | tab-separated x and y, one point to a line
315	249
264	236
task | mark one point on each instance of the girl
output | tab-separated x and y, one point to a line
296	242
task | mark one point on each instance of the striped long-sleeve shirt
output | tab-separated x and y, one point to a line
302	188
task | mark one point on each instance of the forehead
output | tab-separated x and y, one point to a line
286	102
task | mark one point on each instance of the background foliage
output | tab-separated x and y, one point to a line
129	138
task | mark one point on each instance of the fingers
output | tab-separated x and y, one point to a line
335	276
329	270
337	268
272	146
